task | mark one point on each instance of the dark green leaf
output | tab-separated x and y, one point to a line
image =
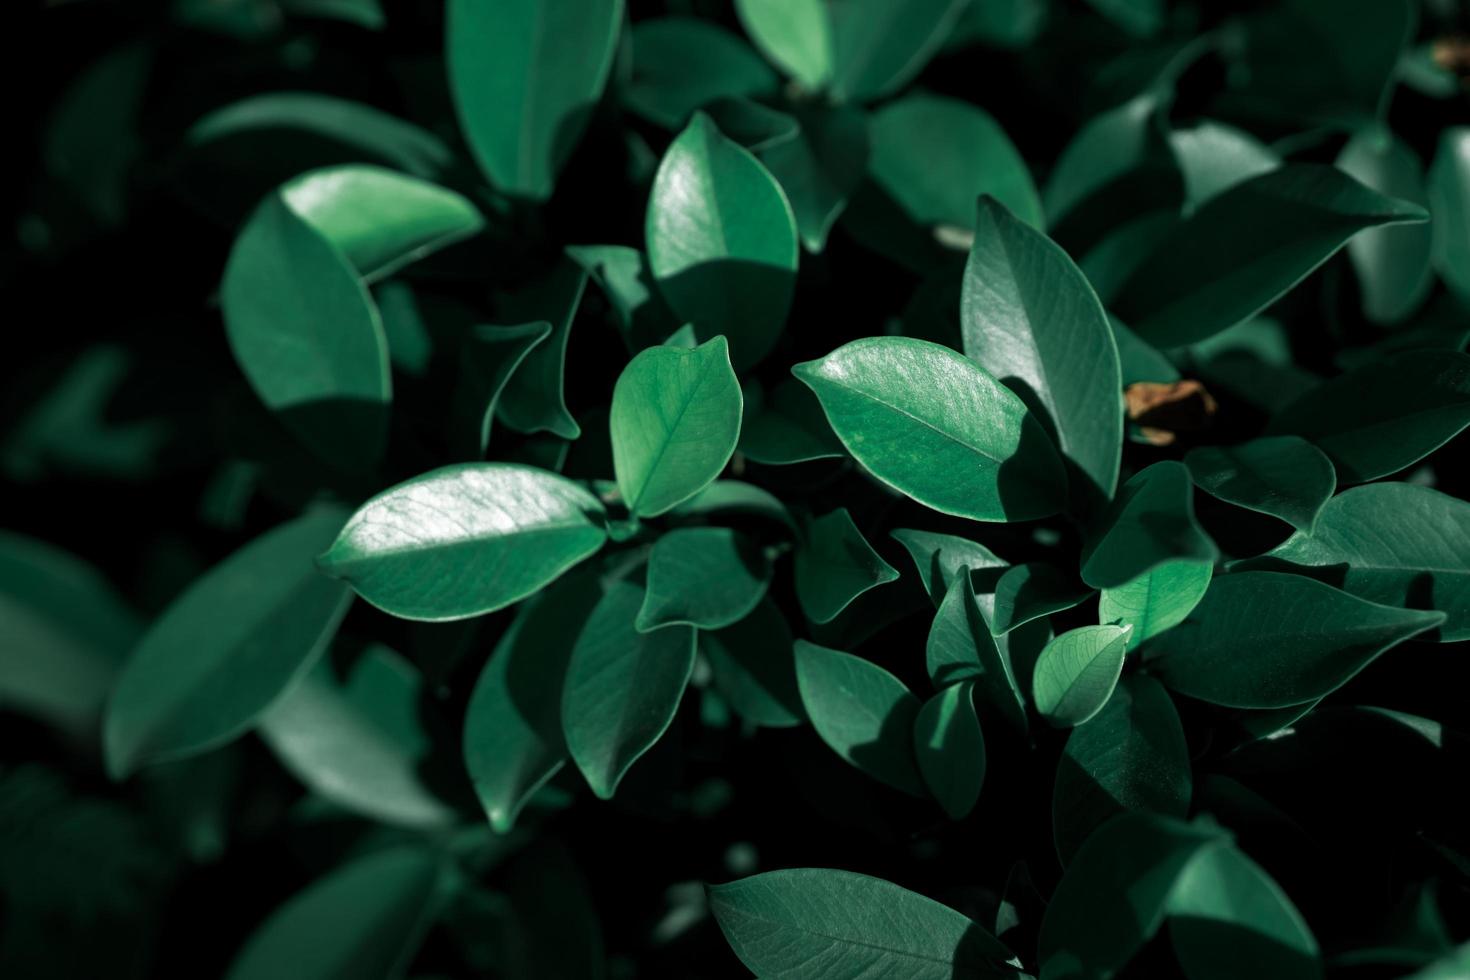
487	361
525	75
1118	153
961	648
1157	600
1150	522
940	557
709	577
821	168
675	422
226	649
724	497
1284	476
834	564
754	667
1028	592
1392	263
862	712
1140	360
931	424
622	688
1449	200
786	426
1076	673
1137	17
533	397
681	64
1215	156
950	749
623	276
465	540
877	45
1269	640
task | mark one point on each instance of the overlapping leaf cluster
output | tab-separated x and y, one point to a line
841	452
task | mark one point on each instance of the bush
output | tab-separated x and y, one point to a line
812	488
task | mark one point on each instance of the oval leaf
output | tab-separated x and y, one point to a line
1151	522
709	577
950	749
961	647
1157	600
940	557
1392	263
683	63
834	564
1284	476
1076	673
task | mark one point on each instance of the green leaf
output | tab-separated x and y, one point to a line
622	688
513	741
308	336
533	398
961	648
1157	600
1391	543
709	577
950	749
785	426
934	155
724	497
1150	522
755	669
623	276
1120	153
939	558
1228	918
806	923
1140	18
1385	415
378	219
1449	201
465	540
792	33
820	169
862	712
683	63
754	125
1140	360
364	919
1030	318
1001	23
722	240
931	424
1031	591
675	422
488	358
834	564
1393	267
359	744
1131	757
227	648
1244	249
1215	156
1269	640
525	76
1284	476
1134	860
878	46
1076	673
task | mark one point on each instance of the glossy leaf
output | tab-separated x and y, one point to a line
1392	543
862	712
1449	200
1150	522
1157	600
935	155
722	240
929	423
1284	476
1130	757
939	558
465	540
709	577
1029	318
960	648
950	749
1392	264
1031	591
1269	640
513	742
786	425
755	669
489	358
1243	249
226	649
525	76
1383	416
1076	673
361	920
359	743
675	422
815	922
834	564
681	64
622	688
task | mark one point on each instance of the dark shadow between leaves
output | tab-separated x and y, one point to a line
348	434
745	301
1086	496
1032	482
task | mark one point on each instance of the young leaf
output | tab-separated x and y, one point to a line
513	740
622	688
1130	757
722	240
1030	318
935	155
1157	600
226	649
1269	640
533	398
1151	522
755	669
1076	673
465	540
940	557
487	361
961	648
681	64
709	577
359	744
950	749
1449	200
675	421
929	423
364	919
815	922
785	426
834	565
1386	415
1031	591
1392	264
1284	476
792	33
1393	543
1245	248
862	712
308	336
525	76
